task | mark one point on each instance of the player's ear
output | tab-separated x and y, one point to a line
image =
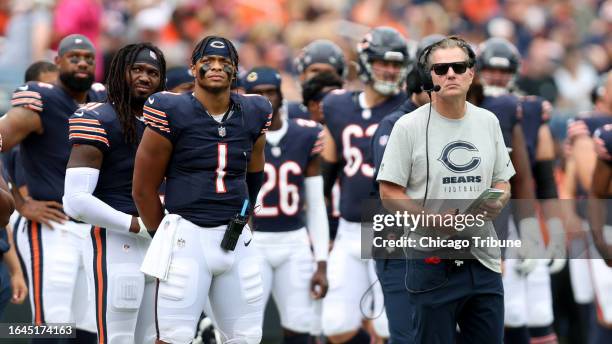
193	70
57	60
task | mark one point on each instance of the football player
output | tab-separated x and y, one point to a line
292	181
39	122
98	191
179	79
47	72
528	295
317	57
417	97
351	118
313	92
209	145
580	163
599	221
315	89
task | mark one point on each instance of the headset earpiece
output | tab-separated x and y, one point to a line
423	70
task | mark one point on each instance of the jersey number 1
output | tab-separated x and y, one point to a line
221	165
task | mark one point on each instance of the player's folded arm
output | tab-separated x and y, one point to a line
152	158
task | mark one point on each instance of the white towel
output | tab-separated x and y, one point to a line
157	261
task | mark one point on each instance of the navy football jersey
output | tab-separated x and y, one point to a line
297	110
381	136
13	167
352	128
97	124
505	108
531	120
206	175
281	197
45	155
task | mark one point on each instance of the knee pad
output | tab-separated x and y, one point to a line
251	336
127	288
336	320
299	319
180	288
515	314
178	335
251	283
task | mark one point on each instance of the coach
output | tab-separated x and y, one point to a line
427	151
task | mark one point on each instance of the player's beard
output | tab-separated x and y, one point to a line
76	84
137	100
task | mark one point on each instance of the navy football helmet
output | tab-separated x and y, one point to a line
321	51
498	53
387	44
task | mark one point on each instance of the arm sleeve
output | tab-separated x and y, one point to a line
86	129
80	203
316	217
156	118
397	160
317	146
265	108
29	97
503	169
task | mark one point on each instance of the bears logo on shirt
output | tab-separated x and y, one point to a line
449	160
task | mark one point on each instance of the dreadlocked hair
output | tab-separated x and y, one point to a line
198	51
118	88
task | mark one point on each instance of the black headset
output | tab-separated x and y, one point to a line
428	86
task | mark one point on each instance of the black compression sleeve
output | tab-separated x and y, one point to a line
329	171
254	181
545	179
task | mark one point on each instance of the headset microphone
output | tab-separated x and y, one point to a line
436	88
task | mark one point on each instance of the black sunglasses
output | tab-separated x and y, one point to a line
458	67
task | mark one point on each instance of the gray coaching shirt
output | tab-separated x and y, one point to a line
466	156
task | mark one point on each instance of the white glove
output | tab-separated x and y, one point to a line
556	249
531	245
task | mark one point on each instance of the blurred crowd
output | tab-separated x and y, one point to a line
565	44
